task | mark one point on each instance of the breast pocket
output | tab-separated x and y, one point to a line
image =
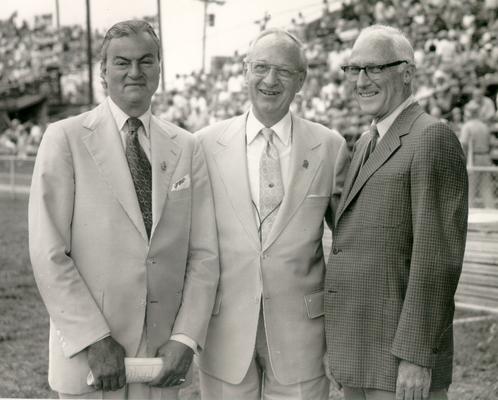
385	200
316	200
176	195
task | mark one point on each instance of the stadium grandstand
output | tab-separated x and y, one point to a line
43	76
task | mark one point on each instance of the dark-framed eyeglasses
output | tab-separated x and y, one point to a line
372	71
261	69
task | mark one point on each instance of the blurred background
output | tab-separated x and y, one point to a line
49	69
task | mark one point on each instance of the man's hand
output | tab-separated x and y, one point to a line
106	361
177	358
328	373
413	382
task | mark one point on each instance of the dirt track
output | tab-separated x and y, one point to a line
24	328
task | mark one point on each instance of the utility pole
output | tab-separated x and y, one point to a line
163	73
206	3
58	24
89	52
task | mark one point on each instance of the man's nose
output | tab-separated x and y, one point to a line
362	79
135	70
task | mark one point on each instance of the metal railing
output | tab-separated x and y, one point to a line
483	179
15	178
15	174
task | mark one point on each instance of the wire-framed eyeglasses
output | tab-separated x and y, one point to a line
261	69
372	71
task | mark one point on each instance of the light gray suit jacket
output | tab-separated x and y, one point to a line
285	273
97	271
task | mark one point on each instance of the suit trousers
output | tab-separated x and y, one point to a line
131	391
351	393
260	382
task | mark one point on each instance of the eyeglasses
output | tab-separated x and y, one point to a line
372	71
261	69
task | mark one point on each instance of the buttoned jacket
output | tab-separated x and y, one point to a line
97	271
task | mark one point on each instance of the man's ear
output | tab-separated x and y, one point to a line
302	78
245	71
408	74
103	72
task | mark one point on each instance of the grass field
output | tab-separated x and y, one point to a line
24	328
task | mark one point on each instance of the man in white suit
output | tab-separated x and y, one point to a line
122	233
275	177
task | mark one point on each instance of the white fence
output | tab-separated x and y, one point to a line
15	178
15	174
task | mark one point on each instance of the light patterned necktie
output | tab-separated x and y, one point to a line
271	188
140	172
374	137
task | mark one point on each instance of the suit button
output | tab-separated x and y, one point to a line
435	350
335	251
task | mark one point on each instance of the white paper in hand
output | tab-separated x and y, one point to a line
138	370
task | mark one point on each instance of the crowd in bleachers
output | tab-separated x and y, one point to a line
456	52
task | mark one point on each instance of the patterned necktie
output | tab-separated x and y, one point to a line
271	188
374	136
140	172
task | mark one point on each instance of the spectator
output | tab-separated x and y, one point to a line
481	105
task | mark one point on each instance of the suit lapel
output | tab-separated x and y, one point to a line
231	161
383	151
106	148
303	166
361	146
165	154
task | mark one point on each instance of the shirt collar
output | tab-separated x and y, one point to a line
384	125
282	128
120	117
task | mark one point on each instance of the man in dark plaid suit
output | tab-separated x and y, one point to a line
399	239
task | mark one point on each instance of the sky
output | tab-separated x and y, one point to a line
182	22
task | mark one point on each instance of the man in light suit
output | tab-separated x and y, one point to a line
275	177
122	233
399	237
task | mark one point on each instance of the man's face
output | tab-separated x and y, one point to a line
132	72
271	93
381	94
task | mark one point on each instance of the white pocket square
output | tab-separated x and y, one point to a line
181	184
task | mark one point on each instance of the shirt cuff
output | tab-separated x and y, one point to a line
187	341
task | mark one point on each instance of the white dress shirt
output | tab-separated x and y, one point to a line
384	125
255	144
120	117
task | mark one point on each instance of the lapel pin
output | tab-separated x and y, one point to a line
163	166
305	164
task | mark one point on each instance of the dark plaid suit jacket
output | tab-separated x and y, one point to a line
397	255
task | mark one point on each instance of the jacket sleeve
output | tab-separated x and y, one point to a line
439	193
72	309
203	268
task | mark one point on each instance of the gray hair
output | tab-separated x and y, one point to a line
127	28
400	45
286	35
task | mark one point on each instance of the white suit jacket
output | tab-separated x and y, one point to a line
285	273
96	269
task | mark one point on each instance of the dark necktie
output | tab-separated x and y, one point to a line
271	189
374	136
140	172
